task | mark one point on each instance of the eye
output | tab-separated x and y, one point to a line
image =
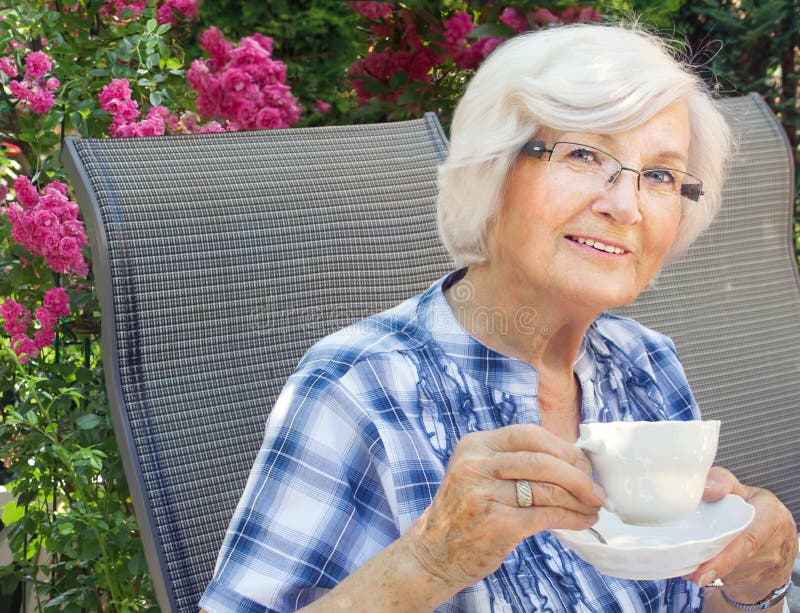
663	176
584	156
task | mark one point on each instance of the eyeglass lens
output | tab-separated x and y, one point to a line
600	167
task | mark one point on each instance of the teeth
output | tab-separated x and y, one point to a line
600	246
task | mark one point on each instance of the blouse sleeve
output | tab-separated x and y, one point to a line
314	507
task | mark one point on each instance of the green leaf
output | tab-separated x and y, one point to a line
407	97
491	30
155	98
152	25
398	79
173	63
153	60
88	421
137	564
12	512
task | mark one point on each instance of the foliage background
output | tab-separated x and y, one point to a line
71	529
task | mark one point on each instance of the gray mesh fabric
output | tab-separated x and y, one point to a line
220	259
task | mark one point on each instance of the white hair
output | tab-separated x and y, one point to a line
582	77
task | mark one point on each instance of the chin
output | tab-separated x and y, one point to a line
603	299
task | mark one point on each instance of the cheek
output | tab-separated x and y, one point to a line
663	233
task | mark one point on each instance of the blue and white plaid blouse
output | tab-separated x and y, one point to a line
359	439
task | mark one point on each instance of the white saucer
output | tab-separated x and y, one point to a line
660	552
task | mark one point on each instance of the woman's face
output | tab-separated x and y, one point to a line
538	243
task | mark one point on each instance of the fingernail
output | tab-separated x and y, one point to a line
707	577
598	493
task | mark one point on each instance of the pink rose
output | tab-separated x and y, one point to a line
164	14
27	195
19	91
57	301
48	242
322	107
8	66
41	101
117	89
248	52
187	8
211	126
58	186
45	220
373	10
69	247
43	337
235	80
457	27
74	228
46	317
37	64
198	71
246	114
514	20
544	17
11	310
24	348
213	41
268	118
264	41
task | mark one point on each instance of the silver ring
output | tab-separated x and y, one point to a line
524	493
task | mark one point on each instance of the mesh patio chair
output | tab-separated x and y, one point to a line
219	259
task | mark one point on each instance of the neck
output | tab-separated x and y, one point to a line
533	328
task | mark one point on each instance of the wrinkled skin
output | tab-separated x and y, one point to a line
758	560
474	521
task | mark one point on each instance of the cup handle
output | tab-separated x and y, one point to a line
594	445
590	445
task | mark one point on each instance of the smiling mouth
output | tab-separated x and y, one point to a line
597	245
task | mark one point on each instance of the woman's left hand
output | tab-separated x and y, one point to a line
758	560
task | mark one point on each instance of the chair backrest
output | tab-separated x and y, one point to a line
219	259
732	306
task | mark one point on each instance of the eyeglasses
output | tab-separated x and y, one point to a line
603	169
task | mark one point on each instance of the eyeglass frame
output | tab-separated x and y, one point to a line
537	148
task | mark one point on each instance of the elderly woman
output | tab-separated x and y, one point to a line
418	459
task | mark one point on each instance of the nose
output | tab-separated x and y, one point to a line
620	200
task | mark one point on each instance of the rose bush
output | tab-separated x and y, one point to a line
92	68
420	57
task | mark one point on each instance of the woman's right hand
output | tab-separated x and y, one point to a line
474	520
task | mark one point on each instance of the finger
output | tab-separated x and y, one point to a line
747	544
721	482
543	468
546	495
523	522
531	437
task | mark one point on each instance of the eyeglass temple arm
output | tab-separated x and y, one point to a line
535	148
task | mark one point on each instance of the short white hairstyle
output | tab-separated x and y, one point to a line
582	77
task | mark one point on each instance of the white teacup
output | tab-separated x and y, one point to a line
652	472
